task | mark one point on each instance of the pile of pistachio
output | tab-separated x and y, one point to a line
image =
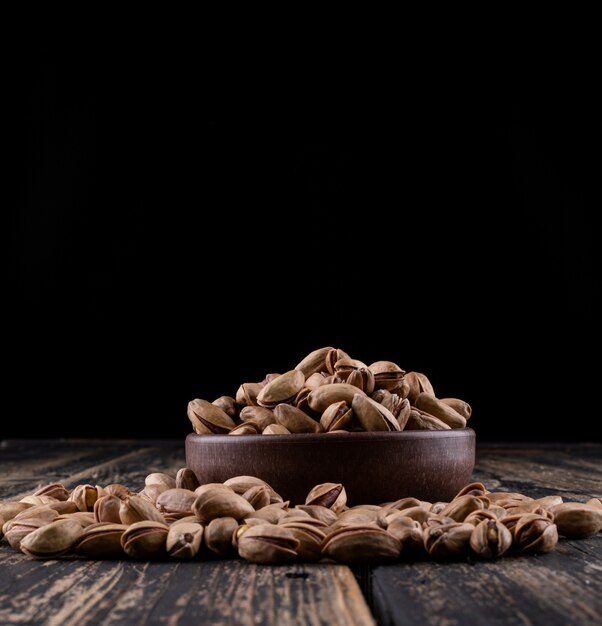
175	517
330	392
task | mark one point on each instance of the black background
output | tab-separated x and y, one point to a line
185	226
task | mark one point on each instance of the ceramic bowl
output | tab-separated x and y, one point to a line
374	467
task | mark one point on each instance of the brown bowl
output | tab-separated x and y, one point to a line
374	467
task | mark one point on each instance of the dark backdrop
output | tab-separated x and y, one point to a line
184	228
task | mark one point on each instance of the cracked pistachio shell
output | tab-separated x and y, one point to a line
319	513
325	395
329	495
271	513
433	406
84	497
473	489
258	496
361	378
334	355
117	489
576	520
448	541
101	541
208	419
409	532
136	509
362	543
55	490
338	416
145	540
345	365
221	503
281	389
16	530
461	506
476	517
159	478
228	405
490	539
247	393
240	484
259	415
314	362
106	509
417	383
295	420
532	533
373	416
218	536
51	540
310	539
184	540
267	544
419	420
186	479
387	375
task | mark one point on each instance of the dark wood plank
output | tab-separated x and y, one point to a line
27	465
563	587
232	592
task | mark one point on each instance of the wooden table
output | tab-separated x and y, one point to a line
564	587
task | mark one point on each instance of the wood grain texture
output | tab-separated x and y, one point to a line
564	587
560	588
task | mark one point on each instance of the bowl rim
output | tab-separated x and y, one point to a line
325	438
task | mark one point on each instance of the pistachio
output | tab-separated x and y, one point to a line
433	406
135	509
16	530
576	520
228	405
490	539
101	541
448	541
258	496
83	518
281	389
217	502
246	428
55	490
476	517
271	513
259	415
373	416
117	489
314	362
295	420
184	540
419	420
38	500
409	532
473	489
145	539
325	395
337	416
417	383
332	357
387	375
240	484
186	479
218	536
532	533
329	495
320	513
267	544
151	492
51	540
461	407
363	543
106	509
247	393
276	429
207	419
310	538
461	506
84	497
176	501
9	509
361	515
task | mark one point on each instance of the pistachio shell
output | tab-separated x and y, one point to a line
576	520
135	509
314	362
417	383
184	540
276	429
461	407
325	395
373	416
219	503
51	540
176	501
267	544
295	420
362	543
207	419
490	539
281	389
101	541
106	509
337	416
329	495
448	541
419	420
218	536
186	479
145	540
433	406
